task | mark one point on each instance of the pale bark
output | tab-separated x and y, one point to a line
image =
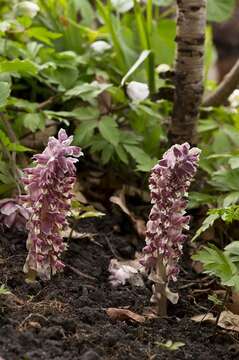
190	37
224	90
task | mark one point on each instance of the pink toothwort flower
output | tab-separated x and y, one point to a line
168	183
48	187
13	214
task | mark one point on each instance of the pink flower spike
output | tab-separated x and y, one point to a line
49	187
169	183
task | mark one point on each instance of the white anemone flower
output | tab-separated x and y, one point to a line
234	99
122	6
100	46
137	91
162	68
26	8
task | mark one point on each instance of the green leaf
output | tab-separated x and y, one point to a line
143	160
84	132
43	35
208	222
196	199
33	121
107	153
207	125
220	10
231	198
86	113
170	345
234	162
109	130
25	67
4	92
135	66
218	263
225	180
162	37
233	251
122	154
87	91
12	146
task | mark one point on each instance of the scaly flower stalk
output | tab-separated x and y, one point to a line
48	187
168	183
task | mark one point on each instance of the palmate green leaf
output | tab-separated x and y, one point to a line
25	67
218	263
5	90
43	35
220	10
109	130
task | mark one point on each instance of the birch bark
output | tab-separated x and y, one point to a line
190	37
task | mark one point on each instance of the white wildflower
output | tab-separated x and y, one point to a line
26	8
137	91
162	68
100	46
234	98
122	6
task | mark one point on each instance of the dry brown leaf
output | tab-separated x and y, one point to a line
138	223
124	314
227	320
203	317
233	306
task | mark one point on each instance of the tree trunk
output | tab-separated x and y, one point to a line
191	25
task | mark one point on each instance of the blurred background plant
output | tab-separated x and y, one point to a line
104	69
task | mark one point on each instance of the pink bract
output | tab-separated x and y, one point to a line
169	183
48	187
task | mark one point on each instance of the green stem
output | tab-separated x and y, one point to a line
106	14
144	35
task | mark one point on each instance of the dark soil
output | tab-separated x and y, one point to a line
66	318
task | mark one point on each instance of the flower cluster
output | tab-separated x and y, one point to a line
169	182
48	187
13	214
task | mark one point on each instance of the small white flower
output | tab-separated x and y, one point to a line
26	8
137	91
122	6
234	98
162	68
100	46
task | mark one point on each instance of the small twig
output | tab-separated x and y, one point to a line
222	307
115	253
47	102
224	90
79	273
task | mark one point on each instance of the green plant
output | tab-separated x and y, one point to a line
223	264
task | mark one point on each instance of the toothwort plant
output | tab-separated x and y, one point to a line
168	183
48	196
